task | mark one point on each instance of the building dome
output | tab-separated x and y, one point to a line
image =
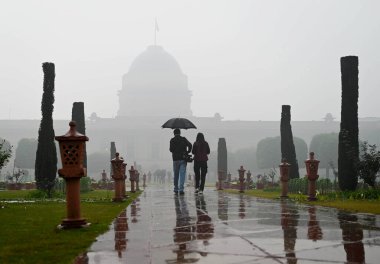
154	86
155	60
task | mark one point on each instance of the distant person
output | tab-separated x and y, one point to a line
180	147
200	150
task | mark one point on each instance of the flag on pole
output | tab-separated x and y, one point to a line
156	26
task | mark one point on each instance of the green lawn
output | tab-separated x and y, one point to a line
363	206
29	233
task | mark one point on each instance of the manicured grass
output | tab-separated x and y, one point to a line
363	206
29	231
14	195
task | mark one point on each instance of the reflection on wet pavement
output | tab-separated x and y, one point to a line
223	228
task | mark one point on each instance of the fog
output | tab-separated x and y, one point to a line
243	59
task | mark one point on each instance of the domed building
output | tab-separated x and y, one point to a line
154	86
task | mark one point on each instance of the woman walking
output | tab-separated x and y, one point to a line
200	150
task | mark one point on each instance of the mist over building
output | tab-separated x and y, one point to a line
154	86
155	89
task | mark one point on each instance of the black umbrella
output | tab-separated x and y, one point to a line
178	122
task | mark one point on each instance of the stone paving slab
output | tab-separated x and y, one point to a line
216	227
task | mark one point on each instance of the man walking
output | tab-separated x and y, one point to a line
180	147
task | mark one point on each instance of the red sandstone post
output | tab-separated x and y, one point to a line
132	176
241	179
284	177
71	146
117	167
312	175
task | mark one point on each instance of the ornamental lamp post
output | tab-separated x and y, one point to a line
241	178
117	169
284	177
71	147
312	175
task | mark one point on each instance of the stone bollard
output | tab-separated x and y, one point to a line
132	178
220	179
249	180
144	180
71	146
118	177
123	171
312	175
241	179
284	177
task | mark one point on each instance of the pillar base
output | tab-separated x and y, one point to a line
312	198
73	223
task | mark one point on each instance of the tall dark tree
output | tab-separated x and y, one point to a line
46	155
77	115
113	152
222	156
288	150
348	149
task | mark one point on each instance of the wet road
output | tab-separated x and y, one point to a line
223	228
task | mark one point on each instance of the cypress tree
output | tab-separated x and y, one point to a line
222	156
113	152
46	155
348	149
288	150
77	115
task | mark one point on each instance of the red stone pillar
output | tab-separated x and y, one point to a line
71	147
284	178
132	178
312	175
241	179
117	167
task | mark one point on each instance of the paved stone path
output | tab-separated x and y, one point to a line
224	228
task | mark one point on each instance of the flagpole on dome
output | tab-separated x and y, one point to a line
156	29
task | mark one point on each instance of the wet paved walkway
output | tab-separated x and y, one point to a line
224	228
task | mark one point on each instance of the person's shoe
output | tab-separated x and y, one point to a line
196	191
200	192
181	193
175	193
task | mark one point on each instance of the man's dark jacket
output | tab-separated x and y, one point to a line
179	146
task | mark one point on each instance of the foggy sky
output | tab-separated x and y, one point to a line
243	59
